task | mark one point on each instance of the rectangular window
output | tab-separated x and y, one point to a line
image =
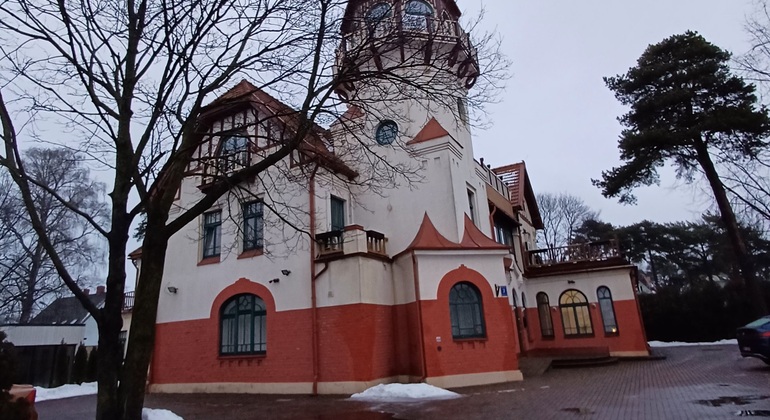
253	225
472	205
338	213
212	232
462	110
503	235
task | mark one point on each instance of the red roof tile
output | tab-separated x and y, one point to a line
474	238
432	130
429	238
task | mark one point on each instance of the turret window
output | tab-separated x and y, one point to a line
233	153
386	132
416	15
378	13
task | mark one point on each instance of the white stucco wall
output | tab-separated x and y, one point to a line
617	280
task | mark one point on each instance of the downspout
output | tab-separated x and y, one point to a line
313	277
492	222
419	318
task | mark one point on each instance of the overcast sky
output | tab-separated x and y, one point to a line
556	113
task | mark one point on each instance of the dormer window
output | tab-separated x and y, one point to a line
416	15
233	153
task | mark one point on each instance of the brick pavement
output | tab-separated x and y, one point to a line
709	382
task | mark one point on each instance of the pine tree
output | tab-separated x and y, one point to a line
687	108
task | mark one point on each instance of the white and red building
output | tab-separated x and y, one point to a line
439	282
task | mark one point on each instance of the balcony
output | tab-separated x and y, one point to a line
574	258
128	301
493	180
353	240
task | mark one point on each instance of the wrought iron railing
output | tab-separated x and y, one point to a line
591	251
128	301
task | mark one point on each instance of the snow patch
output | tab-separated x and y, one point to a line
402	392
159	414
732	342
65	391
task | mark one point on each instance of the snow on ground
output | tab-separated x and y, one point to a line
65	391
733	342
401	392
158	414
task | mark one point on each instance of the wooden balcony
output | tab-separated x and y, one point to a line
574	258
353	240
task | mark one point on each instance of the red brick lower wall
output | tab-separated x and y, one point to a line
358	342
496	352
630	335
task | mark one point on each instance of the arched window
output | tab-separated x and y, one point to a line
544	313
466	312
233	153
378	13
243	326
604	296
575	316
416	15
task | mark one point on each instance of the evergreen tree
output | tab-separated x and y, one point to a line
80	366
687	108
92	365
61	367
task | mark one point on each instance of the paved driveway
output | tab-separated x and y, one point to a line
692	383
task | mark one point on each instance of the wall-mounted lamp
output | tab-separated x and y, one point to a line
275	281
172	289
285	272
570	281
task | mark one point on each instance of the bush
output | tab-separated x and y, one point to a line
61	366
10	410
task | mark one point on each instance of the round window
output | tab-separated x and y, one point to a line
386	132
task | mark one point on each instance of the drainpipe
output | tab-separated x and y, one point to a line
313	277
419	318
492	222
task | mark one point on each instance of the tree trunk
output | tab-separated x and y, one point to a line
142	335
110	354
28	300
753	288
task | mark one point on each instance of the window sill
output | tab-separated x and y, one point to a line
251	253
209	260
579	336
548	337
609	335
242	356
468	339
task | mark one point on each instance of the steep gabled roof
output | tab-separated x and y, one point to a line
516	178
428	237
432	130
474	238
66	310
245	94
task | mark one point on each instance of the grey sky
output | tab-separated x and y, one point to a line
556	113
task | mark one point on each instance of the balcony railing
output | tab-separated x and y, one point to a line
571	254
352	240
492	180
128	301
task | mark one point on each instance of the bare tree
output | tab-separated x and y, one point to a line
128	82
562	214
29	280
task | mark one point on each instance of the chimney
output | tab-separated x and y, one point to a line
87	291
99	290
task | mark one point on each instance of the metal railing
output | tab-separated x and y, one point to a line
128	301
363	32
592	251
493	180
